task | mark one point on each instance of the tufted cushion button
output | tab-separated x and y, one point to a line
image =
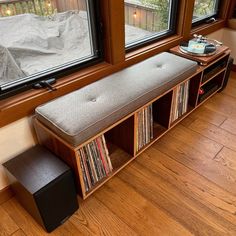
91	109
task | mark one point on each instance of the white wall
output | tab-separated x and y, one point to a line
14	139
227	37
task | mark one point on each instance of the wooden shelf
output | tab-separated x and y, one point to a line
158	130
189	109
213	76
122	137
119	159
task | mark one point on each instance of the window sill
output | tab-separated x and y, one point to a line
205	28
152	49
23	104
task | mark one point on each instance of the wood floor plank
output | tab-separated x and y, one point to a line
231	87
214	133
19	233
223	104
206	114
94	218
154	188
229	125
141	215
227	157
203	144
190	156
7	225
29	226
192	184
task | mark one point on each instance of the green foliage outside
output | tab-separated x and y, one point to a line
203	7
161	8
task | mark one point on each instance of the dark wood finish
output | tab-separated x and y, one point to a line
162	109
187	12
122	135
38	177
41	165
234	67
114	22
202	60
60	149
193	89
231	9
5	194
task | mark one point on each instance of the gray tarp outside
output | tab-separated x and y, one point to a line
30	43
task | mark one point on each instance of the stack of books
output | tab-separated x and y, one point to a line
95	162
145	127
180	101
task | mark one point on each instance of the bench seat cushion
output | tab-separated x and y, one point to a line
79	115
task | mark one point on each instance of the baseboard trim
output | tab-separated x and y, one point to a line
233	68
5	194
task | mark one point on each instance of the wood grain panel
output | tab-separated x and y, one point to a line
192	184
223	104
94	218
5	194
207	115
194	158
204	145
19	233
153	187
227	157
7	224
30	226
231	87
229	125
214	133
135	208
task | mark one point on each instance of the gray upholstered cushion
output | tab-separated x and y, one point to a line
80	115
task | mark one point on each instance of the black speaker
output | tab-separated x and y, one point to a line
227	73
44	185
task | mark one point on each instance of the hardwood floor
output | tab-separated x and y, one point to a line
184	184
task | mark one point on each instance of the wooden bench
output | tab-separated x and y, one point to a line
76	125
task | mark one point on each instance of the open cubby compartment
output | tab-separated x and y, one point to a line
211	87
105	155
161	114
152	121
184	98
214	69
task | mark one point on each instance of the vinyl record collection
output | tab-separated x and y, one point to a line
95	162
145	127
180	101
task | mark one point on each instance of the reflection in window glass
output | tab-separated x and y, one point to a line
42	36
204	9
145	19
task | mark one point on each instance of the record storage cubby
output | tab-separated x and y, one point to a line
101	157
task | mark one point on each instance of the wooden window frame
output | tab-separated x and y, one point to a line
23	104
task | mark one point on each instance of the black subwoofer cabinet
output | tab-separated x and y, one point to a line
44	185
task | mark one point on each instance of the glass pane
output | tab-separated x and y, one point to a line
42	36
145	19
204	9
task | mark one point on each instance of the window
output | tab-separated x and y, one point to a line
44	38
147	20
204	10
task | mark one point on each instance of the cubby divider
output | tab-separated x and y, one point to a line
99	158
